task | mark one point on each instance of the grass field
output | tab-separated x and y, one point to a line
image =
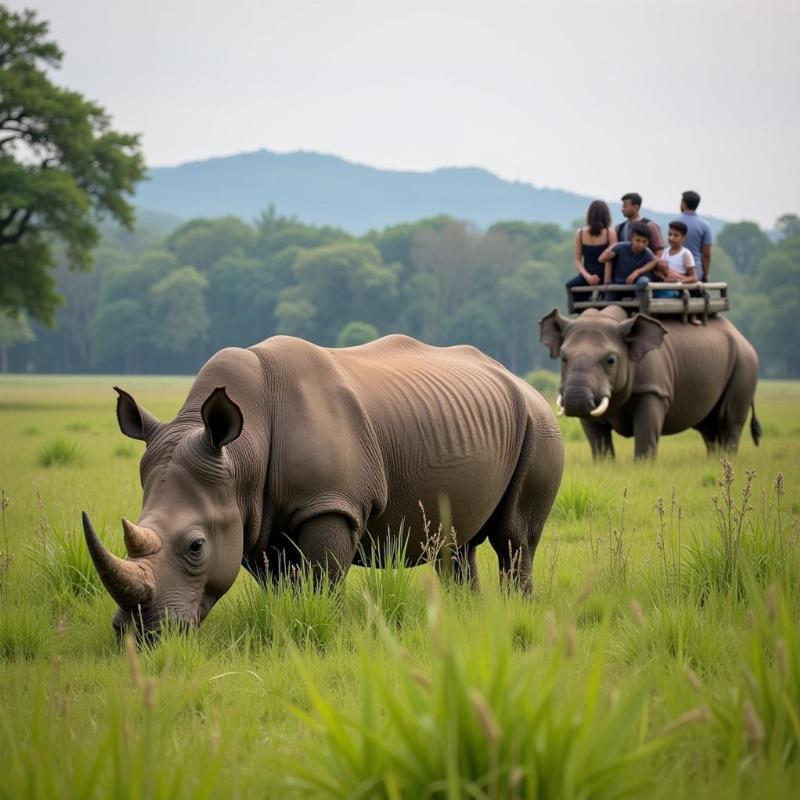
659	656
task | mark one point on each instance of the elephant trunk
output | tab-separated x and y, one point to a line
129	583
583	401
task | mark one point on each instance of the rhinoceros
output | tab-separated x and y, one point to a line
287	451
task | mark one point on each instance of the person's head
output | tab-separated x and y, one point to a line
640	236
598	217
676	233
689	201
631	204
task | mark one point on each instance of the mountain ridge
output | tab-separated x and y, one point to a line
325	189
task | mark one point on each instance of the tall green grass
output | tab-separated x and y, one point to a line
479	723
61	453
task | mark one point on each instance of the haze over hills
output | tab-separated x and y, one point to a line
328	190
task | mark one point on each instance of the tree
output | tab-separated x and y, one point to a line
355	333
13	330
62	168
746	244
788	226
178	308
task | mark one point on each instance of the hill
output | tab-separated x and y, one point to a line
327	190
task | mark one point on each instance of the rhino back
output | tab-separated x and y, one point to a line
396	423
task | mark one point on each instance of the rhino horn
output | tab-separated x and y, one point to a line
140	541
130	584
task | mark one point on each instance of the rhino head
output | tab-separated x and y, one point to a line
184	552
596	352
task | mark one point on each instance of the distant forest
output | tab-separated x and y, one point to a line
163	301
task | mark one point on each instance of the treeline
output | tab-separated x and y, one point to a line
163	303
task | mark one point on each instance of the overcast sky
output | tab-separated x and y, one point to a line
594	97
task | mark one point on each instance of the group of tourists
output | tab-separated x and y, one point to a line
633	252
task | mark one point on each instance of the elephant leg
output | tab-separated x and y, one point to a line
734	408
329	544
649	412
709	430
599	435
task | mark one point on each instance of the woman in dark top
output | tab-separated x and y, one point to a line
591	240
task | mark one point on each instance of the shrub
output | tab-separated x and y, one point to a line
355	333
577	500
544	381
61	453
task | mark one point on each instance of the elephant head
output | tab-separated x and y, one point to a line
597	351
184	552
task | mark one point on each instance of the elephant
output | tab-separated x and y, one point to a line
286	453
642	377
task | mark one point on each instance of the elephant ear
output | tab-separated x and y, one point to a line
222	418
134	421
641	334
552	329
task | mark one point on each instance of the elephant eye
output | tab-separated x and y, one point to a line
563	356
611	359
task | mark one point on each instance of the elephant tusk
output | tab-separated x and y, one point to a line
559	406
601	408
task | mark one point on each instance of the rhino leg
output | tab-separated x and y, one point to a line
329	544
464	566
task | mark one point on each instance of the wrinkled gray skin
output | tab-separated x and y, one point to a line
287	450
659	378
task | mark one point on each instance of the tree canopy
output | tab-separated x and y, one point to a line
161	302
62	168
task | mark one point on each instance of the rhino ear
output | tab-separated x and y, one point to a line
134	421
642	334
552	329
222	417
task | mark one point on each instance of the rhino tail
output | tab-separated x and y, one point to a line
755	425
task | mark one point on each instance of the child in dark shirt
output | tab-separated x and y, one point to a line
629	262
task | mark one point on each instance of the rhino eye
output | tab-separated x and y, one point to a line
196	547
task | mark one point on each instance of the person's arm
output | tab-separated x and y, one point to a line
643	270
612	236
656	240
706	261
578	259
649	266
607	257
688	265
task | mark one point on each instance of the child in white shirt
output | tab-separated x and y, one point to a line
676	264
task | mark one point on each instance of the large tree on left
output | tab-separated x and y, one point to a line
62	168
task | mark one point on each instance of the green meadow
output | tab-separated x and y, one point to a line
659	656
